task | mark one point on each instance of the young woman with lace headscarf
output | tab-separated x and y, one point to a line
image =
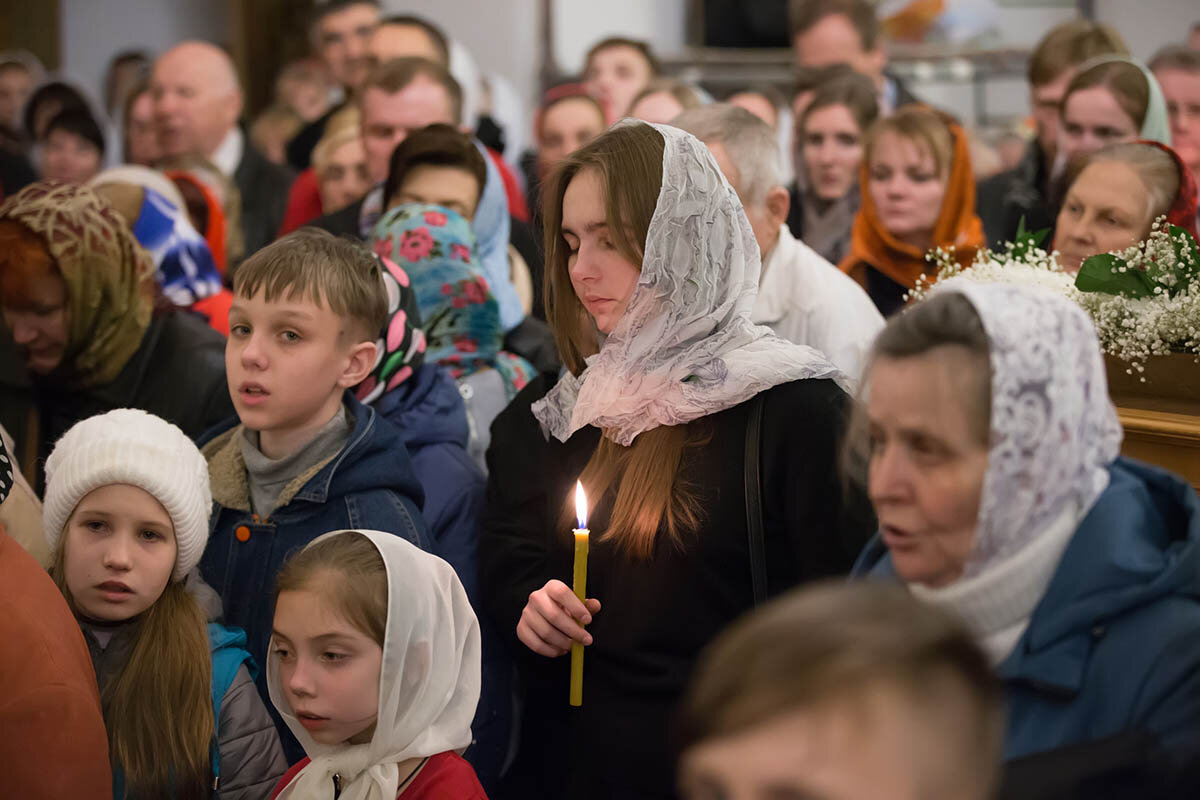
652	270
995	473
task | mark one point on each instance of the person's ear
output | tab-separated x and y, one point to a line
358	366
778	204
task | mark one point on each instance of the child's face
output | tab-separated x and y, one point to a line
329	669
287	363
120	552
882	748
449	187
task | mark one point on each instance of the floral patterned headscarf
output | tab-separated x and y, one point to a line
401	345
461	318
109	276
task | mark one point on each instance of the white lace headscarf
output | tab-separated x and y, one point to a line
428	688
685	346
1054	430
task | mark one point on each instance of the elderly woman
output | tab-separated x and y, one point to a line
81	334
652	269
996	477
1115	194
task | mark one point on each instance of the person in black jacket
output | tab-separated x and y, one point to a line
197	102
653	421
1025	191
81	335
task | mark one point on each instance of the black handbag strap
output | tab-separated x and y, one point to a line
754	525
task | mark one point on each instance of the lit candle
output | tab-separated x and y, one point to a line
581	558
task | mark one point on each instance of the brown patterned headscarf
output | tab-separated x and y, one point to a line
109	276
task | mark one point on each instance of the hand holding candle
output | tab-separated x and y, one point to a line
580	587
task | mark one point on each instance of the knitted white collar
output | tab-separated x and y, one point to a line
996	604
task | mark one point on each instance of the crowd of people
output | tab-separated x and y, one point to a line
294	410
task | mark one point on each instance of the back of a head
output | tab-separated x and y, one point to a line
846	88
749	142
804	14
1154	166
1069	45
1126	82
397	74
314	265
435	145
437	38
835	646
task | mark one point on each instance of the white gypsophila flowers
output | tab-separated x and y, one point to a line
1132	329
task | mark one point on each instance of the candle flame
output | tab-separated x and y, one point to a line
580	505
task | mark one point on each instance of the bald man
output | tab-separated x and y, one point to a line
197	101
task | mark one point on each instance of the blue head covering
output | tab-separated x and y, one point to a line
185	267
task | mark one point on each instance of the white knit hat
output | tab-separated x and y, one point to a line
140	449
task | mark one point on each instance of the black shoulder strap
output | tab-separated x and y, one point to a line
754	525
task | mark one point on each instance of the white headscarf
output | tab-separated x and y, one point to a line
428	688
1054	430
685	347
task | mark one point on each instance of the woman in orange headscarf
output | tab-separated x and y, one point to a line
918	194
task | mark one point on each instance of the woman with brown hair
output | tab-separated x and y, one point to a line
86	329
829	151
650	273
918	194
1112	99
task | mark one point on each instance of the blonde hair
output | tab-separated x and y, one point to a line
649	494
344	126
349	573
315	265
158	711
920	125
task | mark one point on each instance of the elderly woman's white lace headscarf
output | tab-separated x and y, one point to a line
685	347
1054	430
428	688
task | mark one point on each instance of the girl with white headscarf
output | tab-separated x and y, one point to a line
652	270
374	666
996	476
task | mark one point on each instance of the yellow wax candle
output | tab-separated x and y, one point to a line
580	587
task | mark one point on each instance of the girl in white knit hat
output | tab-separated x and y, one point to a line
375	667
126	515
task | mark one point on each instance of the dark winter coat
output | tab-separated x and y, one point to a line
1109	667
368	484
659	613
178	373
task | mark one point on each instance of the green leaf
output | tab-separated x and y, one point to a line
1099	273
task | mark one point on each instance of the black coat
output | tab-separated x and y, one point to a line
178	373
1023	191
657	615
342	223
264	188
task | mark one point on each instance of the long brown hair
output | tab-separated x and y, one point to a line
649	494
158	710
1127	84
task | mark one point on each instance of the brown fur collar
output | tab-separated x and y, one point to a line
227	473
